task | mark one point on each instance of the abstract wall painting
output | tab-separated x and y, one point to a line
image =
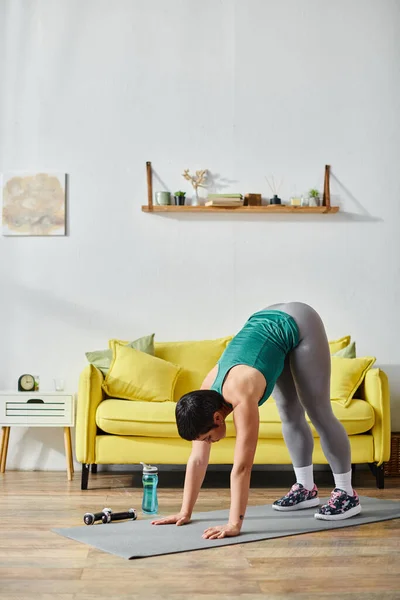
33	203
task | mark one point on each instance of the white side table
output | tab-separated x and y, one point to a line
37	409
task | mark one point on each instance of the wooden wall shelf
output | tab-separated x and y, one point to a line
268	208
326	207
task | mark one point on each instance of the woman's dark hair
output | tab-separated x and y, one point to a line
195	413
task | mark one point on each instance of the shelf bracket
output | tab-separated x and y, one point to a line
327	192
149	171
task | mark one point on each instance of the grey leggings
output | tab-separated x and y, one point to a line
304	386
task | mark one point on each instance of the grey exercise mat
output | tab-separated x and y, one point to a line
137	539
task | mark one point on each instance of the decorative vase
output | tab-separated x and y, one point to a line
305	201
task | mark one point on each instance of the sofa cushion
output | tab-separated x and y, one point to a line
356	418
196	358
346	377
348	352
135	375
340	344
149	419
157	419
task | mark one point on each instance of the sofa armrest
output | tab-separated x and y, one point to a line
377	393
90	395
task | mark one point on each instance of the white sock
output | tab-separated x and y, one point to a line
343	482
305	476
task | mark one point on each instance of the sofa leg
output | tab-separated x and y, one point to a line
85	476
94	469
379	475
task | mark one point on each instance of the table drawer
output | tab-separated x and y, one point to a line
35	409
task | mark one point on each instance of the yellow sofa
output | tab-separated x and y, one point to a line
115	431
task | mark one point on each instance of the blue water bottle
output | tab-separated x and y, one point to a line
150	481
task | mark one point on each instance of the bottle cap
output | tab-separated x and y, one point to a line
148	468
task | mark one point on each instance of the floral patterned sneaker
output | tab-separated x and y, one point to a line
339	506
297	498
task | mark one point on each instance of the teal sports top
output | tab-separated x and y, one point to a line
263	343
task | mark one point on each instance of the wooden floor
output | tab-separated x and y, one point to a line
351	563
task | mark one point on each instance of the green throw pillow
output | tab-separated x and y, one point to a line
348	352
101	359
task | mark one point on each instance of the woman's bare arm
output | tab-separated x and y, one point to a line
246	417
195	472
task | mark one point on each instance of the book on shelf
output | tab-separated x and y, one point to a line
234	196
224	202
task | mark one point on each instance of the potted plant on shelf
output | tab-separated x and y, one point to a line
313	195
180	198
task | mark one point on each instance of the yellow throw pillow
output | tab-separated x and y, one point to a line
135	375
117	341
347	375
336	345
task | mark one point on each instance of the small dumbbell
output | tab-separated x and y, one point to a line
109	517
90	518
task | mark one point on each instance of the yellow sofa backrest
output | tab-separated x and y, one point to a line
196	358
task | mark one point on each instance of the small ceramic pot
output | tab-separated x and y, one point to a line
163	198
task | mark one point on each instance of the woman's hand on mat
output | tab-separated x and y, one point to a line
221	531
179	519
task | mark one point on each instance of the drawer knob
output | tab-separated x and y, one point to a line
35	401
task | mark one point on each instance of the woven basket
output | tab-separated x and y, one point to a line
392	467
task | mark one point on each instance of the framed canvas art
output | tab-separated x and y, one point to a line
33	203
